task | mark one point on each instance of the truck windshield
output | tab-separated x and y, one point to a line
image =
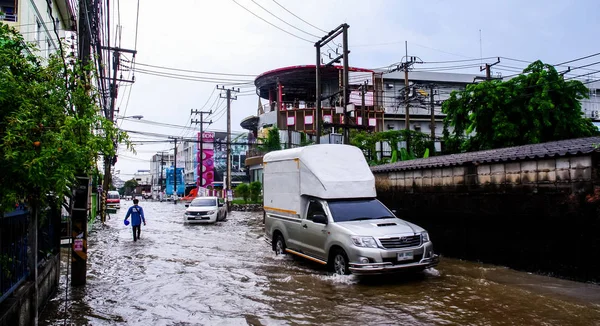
113	196
204	202
358	209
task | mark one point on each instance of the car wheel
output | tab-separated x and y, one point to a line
279	245
339	264
224	217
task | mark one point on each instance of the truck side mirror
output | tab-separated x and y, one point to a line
320	218
187	205
221	204
395	211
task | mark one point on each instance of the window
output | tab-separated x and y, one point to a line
358	209
38	32
48	46
314	208
203	202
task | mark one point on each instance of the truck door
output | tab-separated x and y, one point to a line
314	235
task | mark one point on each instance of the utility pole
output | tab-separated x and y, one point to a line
346	81
342	29
364	115
109	161
201	122
79	202
409	61
174	170
488	70
229	98
432	127
162	162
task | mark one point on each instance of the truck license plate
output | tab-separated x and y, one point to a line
405	255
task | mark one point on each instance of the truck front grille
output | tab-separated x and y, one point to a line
401	242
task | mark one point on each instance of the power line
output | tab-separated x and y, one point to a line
266	21
578	59
191	76
322	30
194	71
292	26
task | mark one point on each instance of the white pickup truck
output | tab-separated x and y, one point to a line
320	204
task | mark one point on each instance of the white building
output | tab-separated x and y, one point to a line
35	20
158	164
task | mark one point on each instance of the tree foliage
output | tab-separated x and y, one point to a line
537	106
129	186
419	144
243	190
255	190
49	132
272	142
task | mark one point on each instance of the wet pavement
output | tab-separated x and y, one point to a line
226	274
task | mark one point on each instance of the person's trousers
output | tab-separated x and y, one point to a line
136	231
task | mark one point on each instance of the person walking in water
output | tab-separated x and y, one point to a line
137	217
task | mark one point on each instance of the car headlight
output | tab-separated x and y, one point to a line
367	242
425	236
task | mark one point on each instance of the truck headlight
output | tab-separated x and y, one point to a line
210	212
425	237
367	242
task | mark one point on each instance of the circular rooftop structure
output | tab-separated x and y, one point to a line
298	81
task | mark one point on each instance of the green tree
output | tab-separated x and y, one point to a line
130	186
243	190
255	191
537	106
419	144
50	126
272	142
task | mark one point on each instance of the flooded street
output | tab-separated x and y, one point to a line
226	274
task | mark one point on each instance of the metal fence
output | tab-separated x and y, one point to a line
13	251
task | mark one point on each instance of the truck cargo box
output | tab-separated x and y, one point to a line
327	171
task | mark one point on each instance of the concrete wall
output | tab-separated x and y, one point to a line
19	309
535	215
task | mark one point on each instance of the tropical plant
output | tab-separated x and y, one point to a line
539	105
272	142
419	144
255	191
243	190
51	128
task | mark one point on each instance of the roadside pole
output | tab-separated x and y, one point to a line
228	190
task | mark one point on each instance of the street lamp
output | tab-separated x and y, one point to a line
139	117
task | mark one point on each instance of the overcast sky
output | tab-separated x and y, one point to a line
220	36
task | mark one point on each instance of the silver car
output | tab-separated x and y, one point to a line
361	236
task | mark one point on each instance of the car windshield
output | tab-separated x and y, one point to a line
357	210
113	196
204	202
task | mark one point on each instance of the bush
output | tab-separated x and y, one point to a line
255	191
243	190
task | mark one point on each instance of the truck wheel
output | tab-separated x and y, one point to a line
279	245
340	263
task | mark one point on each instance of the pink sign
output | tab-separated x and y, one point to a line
205	167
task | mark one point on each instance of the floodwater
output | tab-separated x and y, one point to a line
226	274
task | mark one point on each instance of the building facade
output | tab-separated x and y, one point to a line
36	20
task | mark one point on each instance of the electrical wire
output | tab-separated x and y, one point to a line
281	20
231	80
194	71
266	21
322	30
